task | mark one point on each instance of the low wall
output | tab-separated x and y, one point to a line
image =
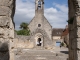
21	41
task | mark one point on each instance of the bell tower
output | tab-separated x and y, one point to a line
39	7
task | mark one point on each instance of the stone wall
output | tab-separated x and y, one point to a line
74	28
22	42
22	37
7	10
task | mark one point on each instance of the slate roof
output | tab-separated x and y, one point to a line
57	31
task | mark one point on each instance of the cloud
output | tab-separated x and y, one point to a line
62	8
57	16
25	11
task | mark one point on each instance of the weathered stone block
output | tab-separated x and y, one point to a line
78	31
4	11
78	56
75	32
78	43
78	20
11	23
70	27
74	44
72	34
2	40
6	33
6	2
74	23
11	33
4	21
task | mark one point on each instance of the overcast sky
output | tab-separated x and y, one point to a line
56	12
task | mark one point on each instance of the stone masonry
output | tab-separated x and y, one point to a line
74	29
7	10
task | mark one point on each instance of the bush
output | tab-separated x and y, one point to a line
62	44
23	32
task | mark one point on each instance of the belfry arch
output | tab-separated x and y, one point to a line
7	10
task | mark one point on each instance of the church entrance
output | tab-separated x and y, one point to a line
39	42
38	39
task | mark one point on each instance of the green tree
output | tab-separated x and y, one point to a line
24	29
24	25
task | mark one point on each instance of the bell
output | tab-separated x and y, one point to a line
39	5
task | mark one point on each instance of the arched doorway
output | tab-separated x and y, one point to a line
38	39
39	42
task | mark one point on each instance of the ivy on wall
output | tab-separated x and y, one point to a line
70	21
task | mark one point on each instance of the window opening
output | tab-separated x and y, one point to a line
39	4
39	25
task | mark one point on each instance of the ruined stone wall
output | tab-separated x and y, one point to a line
7	10
6	19
22	37
74	29
23	42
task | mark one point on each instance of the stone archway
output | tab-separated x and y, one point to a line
38	39
39	42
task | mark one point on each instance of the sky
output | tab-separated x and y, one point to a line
56	12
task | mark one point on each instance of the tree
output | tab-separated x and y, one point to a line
24	25
24	29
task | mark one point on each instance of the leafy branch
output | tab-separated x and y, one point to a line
70	21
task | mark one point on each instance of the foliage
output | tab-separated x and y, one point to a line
24	29
70	21
62	44
23	32
24	25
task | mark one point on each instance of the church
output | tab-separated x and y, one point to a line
40	28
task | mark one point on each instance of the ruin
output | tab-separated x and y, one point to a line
74	29
8	42
7	10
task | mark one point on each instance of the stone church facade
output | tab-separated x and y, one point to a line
41	30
